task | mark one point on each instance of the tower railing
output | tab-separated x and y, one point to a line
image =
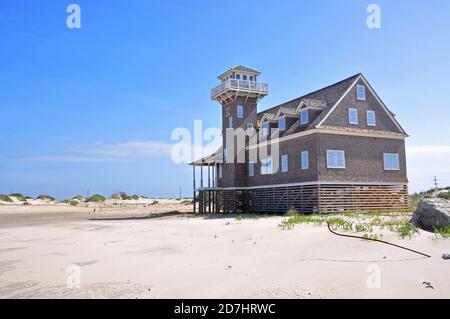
240	85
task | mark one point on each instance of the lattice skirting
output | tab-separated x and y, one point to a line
312	198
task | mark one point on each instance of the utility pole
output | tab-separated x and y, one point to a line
435	183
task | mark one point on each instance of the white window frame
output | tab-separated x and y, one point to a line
284	163
304	120
266	128
250	129
304	157
374	118
267	166
251	169
358	96
240	111
350	110
230	122
391	161
334	153
282	119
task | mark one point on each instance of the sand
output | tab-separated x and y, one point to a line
134	253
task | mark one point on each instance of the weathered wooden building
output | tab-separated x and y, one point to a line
338	149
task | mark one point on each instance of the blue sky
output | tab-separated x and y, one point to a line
94	108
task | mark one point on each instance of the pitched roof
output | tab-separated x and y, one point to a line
328	95
239	68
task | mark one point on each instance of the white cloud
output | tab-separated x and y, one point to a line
425	162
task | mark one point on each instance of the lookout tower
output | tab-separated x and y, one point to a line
238	93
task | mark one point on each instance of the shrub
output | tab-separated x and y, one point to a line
5	198
291	212
155	202
96	198
19	196
46	197
73	203
445	195
443	232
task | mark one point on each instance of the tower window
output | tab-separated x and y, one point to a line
251	78
361	92
284	164
304	118
266	166
251	169
282	123
304	160
266	127
240	111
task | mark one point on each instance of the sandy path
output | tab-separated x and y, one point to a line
182	257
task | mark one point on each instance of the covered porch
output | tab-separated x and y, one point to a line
205	175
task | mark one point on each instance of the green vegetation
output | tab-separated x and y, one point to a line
5	198
187	202
124	196
445	195
155	202
19	197
46	197
96	198
73	203
443	232
291	212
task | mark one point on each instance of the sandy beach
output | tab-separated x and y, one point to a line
137	253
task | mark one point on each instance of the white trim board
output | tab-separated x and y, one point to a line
367	84
303	184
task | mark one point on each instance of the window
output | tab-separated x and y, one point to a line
304	118
304	160
266	166
371	121
391	162
238	76
335	159
282	123
284	164
361	92
240	111
244	77
230	122
219	168
251	169
250	130
266	127
250	78
352	116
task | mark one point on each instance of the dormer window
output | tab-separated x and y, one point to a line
266	127
361	92
304	117
240	111
282	123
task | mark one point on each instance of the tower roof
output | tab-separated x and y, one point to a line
239	68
